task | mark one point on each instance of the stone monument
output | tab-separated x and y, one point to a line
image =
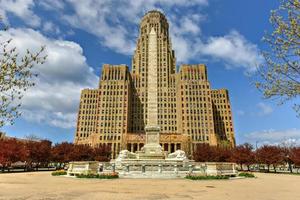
152	149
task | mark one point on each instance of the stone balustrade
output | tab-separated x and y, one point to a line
153	168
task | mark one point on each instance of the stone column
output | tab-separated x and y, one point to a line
175	169
152	148
159	168
143	169
190	169
152	115
113	167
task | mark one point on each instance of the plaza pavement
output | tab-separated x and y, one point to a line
41	185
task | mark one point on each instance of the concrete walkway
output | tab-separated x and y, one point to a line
41	185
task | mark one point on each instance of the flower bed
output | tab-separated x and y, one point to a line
201	177
99	176
246	174
59	173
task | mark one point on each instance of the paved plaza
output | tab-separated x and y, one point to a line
41	185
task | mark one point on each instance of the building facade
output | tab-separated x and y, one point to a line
189	112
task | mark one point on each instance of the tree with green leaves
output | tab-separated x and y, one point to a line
16	76
280	72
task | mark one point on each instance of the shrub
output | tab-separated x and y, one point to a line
201	177
99	176
59	173
247	175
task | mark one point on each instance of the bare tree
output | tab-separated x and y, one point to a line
280	73
16	76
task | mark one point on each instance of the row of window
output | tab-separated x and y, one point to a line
88	112
196	87
87	123
88	106
90	101
200	137
113	87
218	95
90	95
195	99
110	137
113	92
218	117
111	111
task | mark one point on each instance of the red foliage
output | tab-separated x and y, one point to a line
206	153
39	152
223	154
295	156
270	155
61	152
203	153
243	155
102	153
81	153
11	151
66	152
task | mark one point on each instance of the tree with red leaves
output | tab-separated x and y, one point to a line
270	155
206	153
243	155
66	152
11	151
81	153
295	156
61	153
223	154
39	153
102	153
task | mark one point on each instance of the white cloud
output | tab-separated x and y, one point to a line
115	24
54	100
51	4
264	109
117	30
290	136
49	27
118	22
234	49
20	8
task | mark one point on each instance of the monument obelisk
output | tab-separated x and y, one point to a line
152	149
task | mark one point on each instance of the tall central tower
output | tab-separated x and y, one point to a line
165	70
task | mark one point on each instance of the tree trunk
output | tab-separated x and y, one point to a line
241	167
268	168
248	167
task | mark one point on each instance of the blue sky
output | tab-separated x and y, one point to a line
82	35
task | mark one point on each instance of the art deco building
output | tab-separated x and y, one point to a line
189	111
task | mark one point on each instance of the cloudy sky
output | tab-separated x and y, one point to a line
81	35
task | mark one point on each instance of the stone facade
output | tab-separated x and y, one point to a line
187	111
